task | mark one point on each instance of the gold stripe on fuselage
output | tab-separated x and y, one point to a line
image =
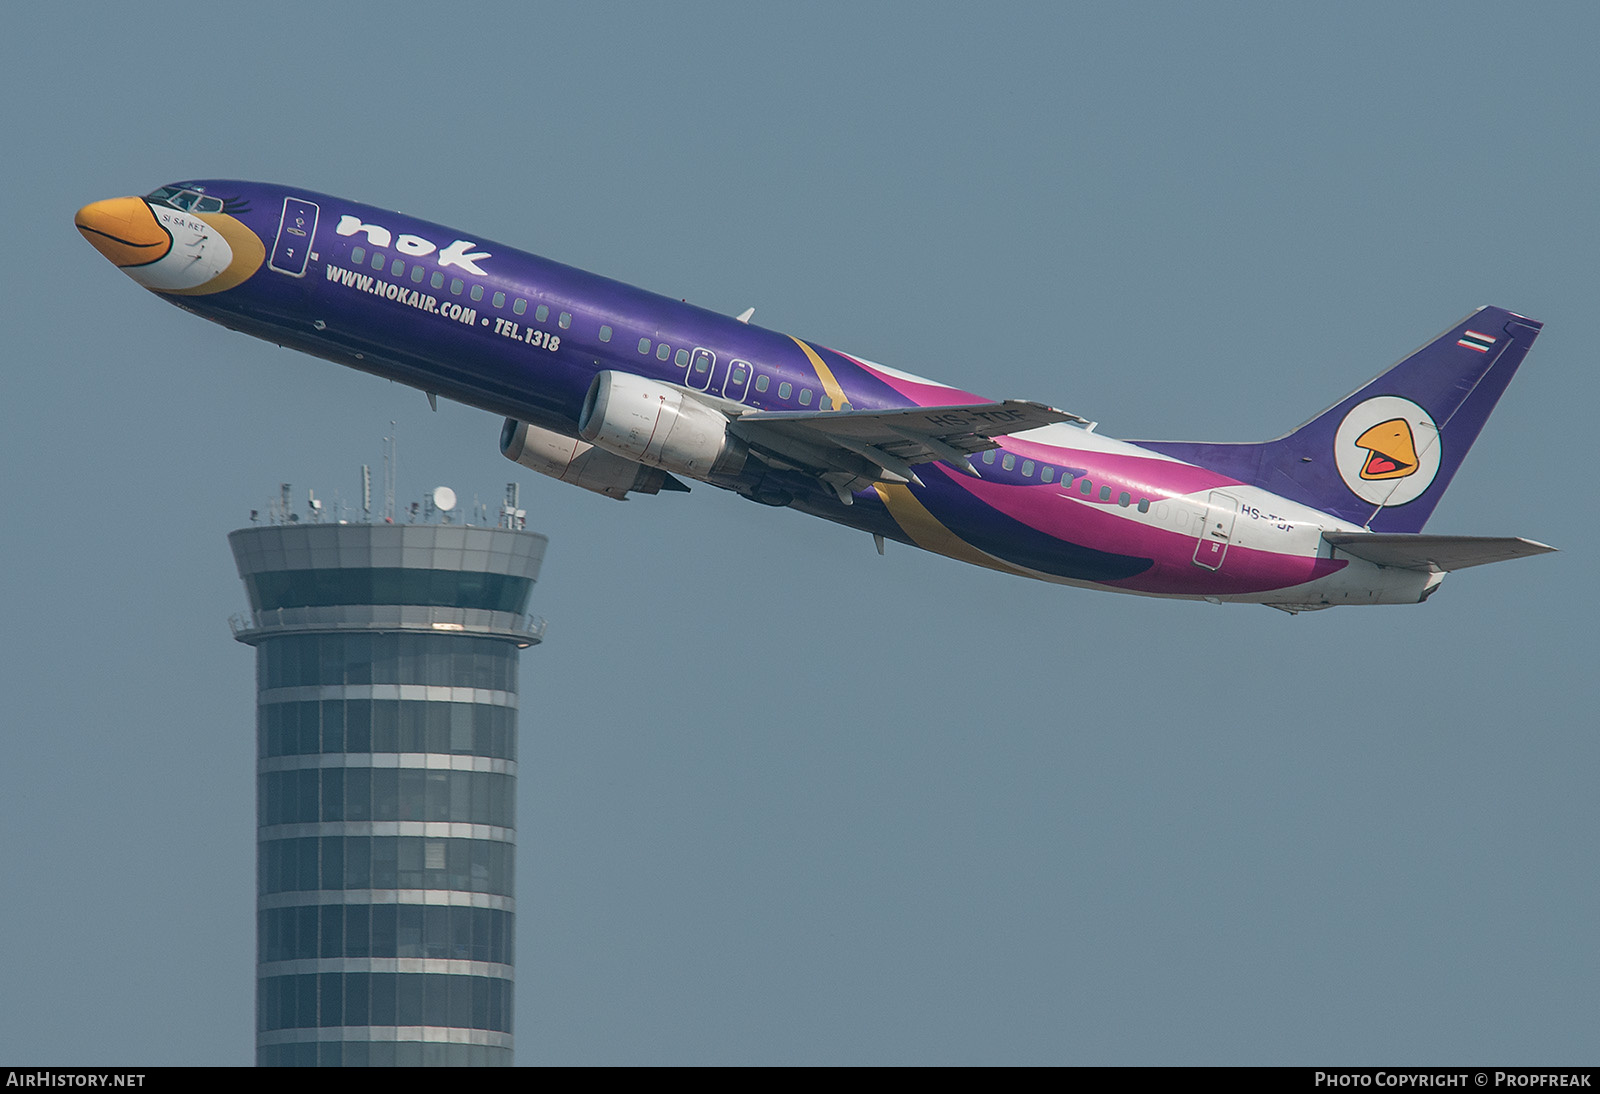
928	533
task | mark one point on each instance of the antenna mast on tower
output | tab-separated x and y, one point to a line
390	458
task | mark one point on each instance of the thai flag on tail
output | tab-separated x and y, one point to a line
1473	340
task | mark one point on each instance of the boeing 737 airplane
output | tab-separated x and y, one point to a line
621	391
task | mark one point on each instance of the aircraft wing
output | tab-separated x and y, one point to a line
1433	554
851	449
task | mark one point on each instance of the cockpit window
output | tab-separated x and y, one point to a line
174	197
186	200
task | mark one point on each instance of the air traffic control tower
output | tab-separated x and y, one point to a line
386	744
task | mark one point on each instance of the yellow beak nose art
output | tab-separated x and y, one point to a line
124	230
170	250
1391	450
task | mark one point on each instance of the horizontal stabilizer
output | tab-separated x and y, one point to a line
1433	554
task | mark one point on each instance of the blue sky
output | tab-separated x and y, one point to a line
783	801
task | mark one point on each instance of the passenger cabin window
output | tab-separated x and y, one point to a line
565	321
398	269
541	313
1144	505
762	383
1008	462
605	334
477	292
456	285
785	389
644	345
1048	474
437	280
358	254
417	274
988	456
805	396
663	351
1105	493
1085	487
519	306
681	358
499	300
378	260
1027	469
1123	499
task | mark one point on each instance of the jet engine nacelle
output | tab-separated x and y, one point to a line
660	426
580	463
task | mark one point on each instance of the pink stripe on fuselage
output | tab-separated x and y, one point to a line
1089	522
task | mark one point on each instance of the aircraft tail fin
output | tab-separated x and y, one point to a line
1383	456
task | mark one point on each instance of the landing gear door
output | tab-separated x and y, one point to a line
298	227
1217	530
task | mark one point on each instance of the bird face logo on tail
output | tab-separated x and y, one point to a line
1391	450
1387	450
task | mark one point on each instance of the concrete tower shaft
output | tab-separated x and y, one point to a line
386	676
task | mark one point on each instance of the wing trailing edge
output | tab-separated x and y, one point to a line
852	449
